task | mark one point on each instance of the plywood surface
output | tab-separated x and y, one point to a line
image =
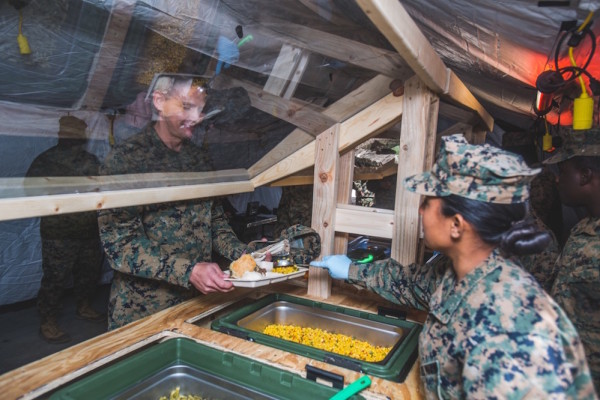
40	378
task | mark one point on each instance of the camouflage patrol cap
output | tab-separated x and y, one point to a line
478	172
578	143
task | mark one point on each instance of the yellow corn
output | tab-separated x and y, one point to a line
332	342
285	270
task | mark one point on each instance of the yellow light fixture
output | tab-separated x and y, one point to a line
21	39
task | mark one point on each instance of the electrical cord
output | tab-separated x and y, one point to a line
553	80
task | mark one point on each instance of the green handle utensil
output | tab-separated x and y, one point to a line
352	389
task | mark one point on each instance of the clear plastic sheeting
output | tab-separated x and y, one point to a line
271	70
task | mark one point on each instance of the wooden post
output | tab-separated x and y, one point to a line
324	202
417	144
344	194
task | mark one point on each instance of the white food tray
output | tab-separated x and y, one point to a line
269	278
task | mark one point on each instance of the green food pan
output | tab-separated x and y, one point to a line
196	369
402	336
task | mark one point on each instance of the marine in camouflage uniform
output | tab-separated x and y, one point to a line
541	265
577	284
495	333
70	242
384	191
295	207
153	249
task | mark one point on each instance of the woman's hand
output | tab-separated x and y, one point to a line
338	265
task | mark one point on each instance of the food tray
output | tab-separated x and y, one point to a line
249	322
198	370
270	278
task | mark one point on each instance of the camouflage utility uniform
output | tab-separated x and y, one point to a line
70	242
295	207
494	334
154	248
577	287
541	265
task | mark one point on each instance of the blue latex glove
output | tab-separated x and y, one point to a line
228	53
338	265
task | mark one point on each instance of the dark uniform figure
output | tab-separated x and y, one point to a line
70	242
161	253
295	207
577	284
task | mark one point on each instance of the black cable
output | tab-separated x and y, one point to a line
585	32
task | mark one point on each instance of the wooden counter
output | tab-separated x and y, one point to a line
40	378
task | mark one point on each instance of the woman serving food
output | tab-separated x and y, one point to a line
491	331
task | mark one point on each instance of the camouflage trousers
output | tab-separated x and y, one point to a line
61	259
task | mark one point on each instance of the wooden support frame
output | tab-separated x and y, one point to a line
345	178
370	121
342	109
305	116
324	200
397	26
88	193
417	145
107	59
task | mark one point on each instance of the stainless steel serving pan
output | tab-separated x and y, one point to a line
249	321
288	313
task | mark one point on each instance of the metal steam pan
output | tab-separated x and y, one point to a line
288	313
197	369
250	321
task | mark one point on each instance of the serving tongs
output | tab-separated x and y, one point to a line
281	248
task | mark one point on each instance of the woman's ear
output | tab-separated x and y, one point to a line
458	226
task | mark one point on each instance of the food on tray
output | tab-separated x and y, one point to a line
242	265
175	395
246	268
333	342
285	270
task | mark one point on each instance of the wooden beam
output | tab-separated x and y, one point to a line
324	199
345	178
349	51
109	53
294	180
306	116
49	185
350	104
26	207
458	92
287	71
416	142
370	122
369	221
376	118
458	114
397	26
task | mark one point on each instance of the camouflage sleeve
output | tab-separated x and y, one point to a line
491	371
410	285
542	265
130	251
225	241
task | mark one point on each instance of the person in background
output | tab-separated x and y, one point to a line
70	242
161	253
544	207
491	330
577	285
385	191
295	207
